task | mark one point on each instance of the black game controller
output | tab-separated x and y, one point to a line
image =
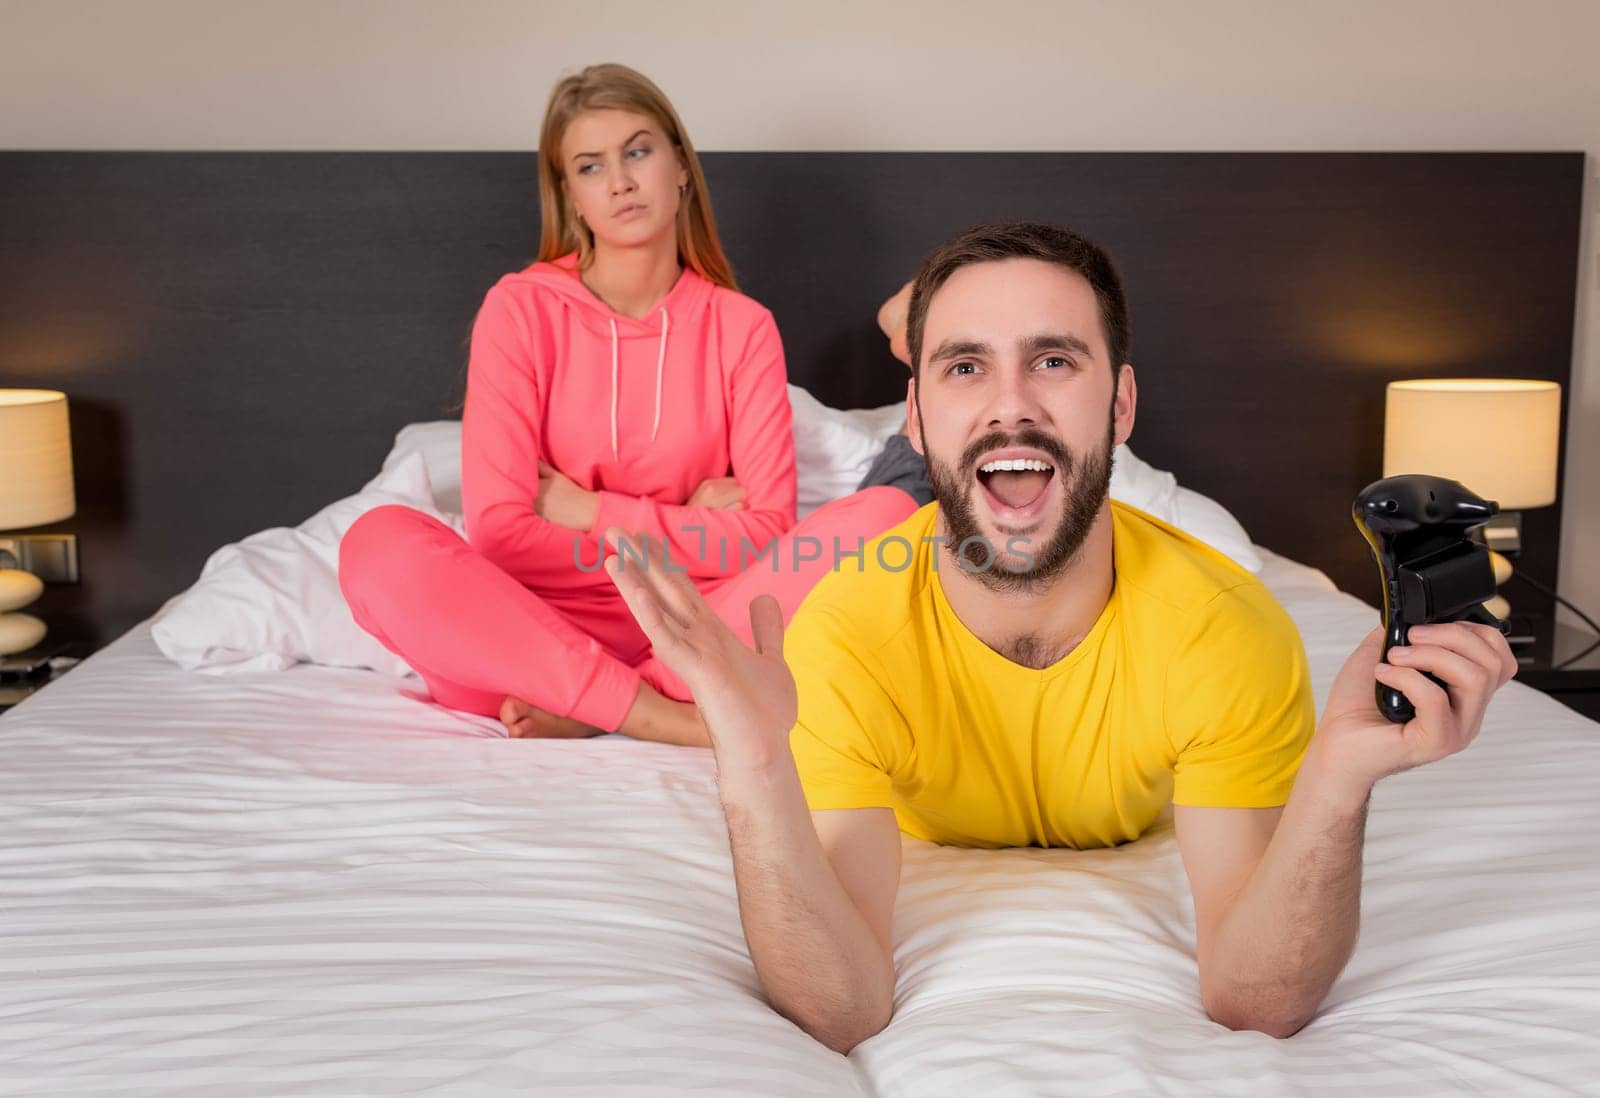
1432	571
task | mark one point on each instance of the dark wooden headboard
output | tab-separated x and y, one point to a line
241	334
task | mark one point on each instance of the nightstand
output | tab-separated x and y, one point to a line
28	672
1577	685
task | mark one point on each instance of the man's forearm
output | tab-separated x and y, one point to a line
1290	931
821	963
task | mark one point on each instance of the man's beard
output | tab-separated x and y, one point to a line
1085	482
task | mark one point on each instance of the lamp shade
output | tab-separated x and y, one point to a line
35	458
1499	437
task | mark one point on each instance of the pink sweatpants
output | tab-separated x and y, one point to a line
476	635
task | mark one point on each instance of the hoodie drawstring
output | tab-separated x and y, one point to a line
614	453
661	360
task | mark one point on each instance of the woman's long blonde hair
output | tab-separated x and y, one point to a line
617	87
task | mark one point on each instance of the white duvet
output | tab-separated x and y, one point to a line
310	882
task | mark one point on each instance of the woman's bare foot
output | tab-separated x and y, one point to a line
650	717
526	721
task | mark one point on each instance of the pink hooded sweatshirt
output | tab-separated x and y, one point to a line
640	411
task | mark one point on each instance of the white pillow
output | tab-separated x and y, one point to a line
1157	492
1137	483
439	443
273	599
1214	524
833	449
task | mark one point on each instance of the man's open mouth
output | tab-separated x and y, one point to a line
1016	484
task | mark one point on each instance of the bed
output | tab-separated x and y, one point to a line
312	881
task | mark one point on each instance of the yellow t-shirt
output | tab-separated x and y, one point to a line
1191	687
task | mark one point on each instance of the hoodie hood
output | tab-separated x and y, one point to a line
682	307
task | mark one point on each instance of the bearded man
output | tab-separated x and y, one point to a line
1039	665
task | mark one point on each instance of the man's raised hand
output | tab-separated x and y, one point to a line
746	696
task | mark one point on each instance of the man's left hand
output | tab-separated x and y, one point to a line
1355	745
562	502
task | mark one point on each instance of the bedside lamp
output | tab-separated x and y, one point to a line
35	488
1500	437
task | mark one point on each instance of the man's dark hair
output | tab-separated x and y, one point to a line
1022	240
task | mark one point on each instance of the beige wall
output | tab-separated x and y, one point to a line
1175	75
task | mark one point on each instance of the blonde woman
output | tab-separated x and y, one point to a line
622	380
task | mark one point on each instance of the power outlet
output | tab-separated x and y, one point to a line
51	557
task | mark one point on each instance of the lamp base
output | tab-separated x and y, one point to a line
19	632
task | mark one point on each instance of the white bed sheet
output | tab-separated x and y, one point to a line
313	883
